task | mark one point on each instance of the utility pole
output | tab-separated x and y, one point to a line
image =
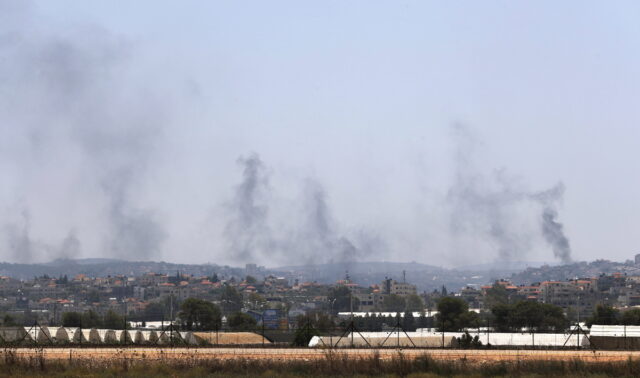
351	309
124	297
171	318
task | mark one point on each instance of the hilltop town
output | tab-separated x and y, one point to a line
256	291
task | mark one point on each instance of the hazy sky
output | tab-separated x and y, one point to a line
295	131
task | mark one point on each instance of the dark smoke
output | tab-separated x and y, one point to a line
70	248
493	206
71	94
320	237
262	229
19	240
133	232
247	230
554	234
552	229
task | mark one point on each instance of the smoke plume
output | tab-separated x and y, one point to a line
70	248
552	229
261	227
68	98
498	207
247	230
19	238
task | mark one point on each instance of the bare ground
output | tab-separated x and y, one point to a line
303	354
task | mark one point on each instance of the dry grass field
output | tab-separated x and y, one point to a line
277	362
231	338
306	354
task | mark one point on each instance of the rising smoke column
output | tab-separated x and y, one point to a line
68	98
247	231
552	229
133	232
320	237
483	205
19	241
262	228
70	247
489	205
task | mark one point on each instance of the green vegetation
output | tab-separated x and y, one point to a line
71	319
414	303
394	303
231	299
312	324
251	280
454	315
534	316
9	321
240	321
631	317
604	315
200	315
340	296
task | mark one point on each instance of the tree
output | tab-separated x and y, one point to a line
200	315
496	295
93	296
409	322
341	296
453	314
171	306
257	301
90	319
71	319
532	316
240	321
231	299
112	320
154	311
63	280
467	341
631	317
553	318
414	303
251	280
526	314
318	320
9	321
501	317
603	315
393	303
424	322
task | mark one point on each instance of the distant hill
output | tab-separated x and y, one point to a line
425	277
575	270
507	265
111	267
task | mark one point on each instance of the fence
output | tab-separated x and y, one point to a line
347	335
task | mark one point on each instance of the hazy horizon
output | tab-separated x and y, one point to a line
285	133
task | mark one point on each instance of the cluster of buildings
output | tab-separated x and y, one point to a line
578	297
156	296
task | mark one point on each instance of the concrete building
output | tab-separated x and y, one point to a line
403	289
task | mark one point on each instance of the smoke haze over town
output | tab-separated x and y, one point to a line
234	133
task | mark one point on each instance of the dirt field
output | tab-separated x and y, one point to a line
285	354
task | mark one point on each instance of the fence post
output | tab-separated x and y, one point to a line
442	331
488	328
